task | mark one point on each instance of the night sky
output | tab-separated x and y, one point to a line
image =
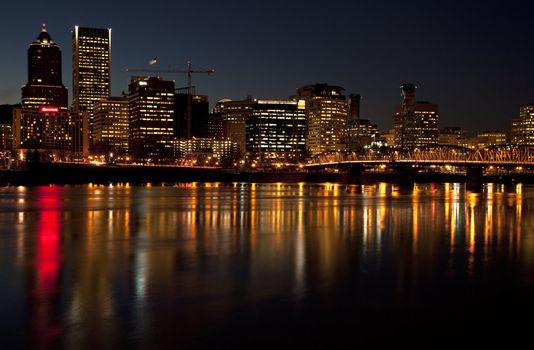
474	58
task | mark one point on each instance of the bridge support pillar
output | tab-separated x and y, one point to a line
354	174
474	177
405	174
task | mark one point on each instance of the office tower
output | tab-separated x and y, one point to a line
199	115
205	151
43	122
265	130
453	136
361	134
491	138
151	105
326	116
276	131
523	127
233	119
44	87
415	122
215	125
110	126
91	67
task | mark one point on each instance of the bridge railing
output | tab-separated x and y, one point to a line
496	155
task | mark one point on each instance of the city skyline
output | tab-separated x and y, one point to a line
479	75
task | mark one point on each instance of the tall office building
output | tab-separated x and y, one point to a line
45	86
523	127
43	121
326	115
233	116
91	67
491	138
415	122
199	115
453	136
151	104
265	130
276	131
111	123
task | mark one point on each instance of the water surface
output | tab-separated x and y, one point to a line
210	265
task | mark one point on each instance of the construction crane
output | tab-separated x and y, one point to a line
189	72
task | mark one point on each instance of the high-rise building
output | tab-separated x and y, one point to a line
205	151
233	120
215	125
91	67
199	115
43	122
415	122
276	131
361	134
491	138
44	87
265	130
151	105
111	123
326	116
523	127
453	136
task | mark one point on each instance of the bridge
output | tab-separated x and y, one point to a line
475	162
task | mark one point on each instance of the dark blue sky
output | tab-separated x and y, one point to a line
474	58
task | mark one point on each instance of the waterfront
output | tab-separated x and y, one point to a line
208	264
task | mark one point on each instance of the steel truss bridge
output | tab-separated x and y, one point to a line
505	156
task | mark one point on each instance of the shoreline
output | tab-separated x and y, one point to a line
67	173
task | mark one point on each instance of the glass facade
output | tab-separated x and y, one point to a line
91	67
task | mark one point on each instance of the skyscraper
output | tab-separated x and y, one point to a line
199	115
43	121
276	131
91	67
233	120
326	116
45	87
111	123
415	122
523	127
151	104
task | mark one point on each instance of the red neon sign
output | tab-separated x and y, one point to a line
49	109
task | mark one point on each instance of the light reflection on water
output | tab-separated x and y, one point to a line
111	266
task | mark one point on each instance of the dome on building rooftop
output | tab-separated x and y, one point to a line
44	37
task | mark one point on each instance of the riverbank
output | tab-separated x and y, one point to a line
66	173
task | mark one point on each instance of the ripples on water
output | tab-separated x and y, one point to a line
247	264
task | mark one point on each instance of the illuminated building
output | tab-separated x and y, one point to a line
276	130
361	134
415	122
110	126
43	122
215	125
47	129
151	105
91	67
199	115
523	127
453	136
326	116
491	138
6	137
265	130
233	120
44	87
6	126
206	151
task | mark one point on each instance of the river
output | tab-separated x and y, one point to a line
260	265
